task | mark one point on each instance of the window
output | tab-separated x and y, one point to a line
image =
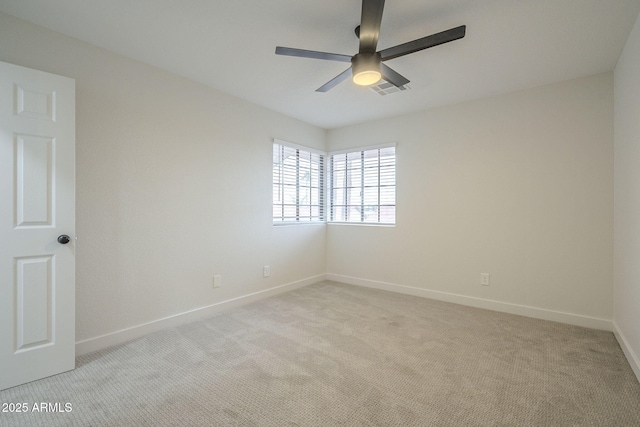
298	184
363	185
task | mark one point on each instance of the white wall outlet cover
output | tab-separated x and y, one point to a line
484	279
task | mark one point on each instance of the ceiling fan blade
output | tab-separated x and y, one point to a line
370	24
423	43
289	51
393	77
337	79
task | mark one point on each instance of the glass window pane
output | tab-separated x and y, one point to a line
388	195
337	213
370	177
365	181
370	213
289	211
339	179
388	175
353	196
354	177
388	214
353	213
304	211
370	196
297	184
277	194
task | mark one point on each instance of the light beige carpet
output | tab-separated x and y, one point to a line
333	354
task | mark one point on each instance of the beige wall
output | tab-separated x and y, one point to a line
519	186
626	313
173	186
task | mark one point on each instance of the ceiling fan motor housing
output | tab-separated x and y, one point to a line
366	68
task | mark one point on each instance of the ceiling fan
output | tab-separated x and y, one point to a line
367	66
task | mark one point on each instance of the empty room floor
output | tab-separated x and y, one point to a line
335	354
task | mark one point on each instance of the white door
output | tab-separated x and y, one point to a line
37	205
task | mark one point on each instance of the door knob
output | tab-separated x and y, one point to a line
63	239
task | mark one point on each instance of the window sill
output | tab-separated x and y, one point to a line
363	224
297	224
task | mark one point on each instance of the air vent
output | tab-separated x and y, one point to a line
386	88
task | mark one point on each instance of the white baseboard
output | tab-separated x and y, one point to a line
504	307
632	357
119	337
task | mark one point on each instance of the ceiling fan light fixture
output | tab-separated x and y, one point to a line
366	68
367	78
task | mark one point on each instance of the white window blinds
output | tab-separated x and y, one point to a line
363	186
298	184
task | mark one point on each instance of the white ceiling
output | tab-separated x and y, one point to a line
229	45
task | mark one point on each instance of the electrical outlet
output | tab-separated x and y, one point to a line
217	281
484	279
266	271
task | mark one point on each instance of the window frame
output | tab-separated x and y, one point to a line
321	188
330	176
